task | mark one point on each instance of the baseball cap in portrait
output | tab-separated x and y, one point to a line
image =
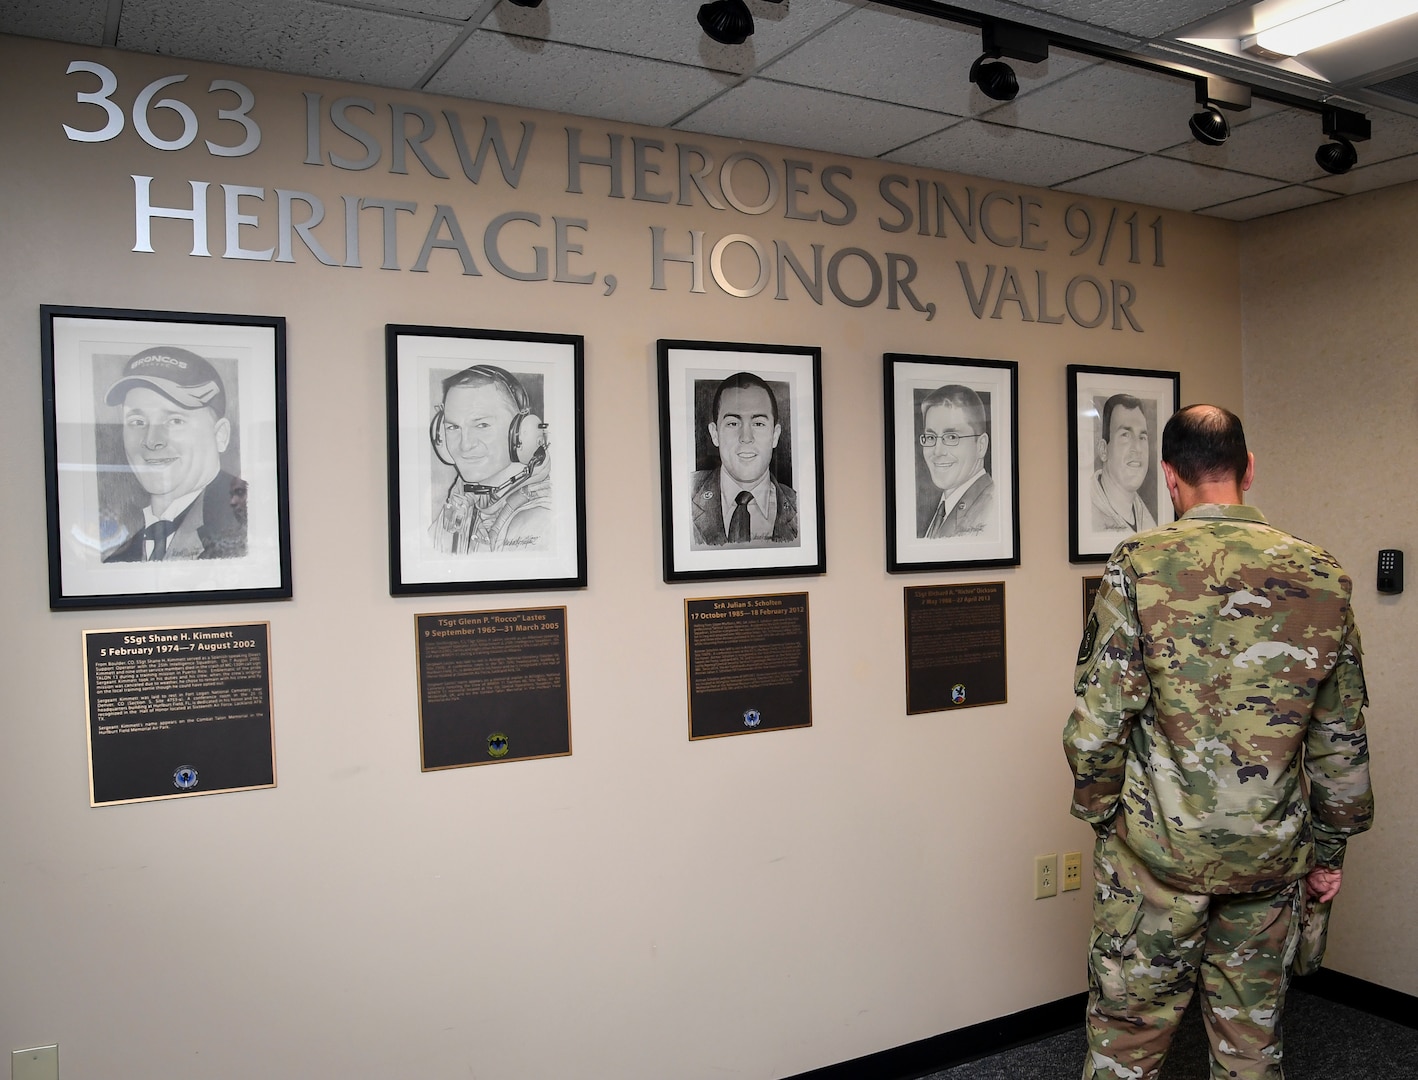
179	375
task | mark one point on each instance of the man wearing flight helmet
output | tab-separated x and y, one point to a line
175	430
500	499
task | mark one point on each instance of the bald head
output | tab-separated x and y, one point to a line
1204	458
1206	444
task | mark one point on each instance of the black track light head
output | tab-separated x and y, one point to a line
994	77
729	22
1213	93
1343	127
1209	126
1336	156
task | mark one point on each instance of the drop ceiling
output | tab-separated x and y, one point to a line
847	76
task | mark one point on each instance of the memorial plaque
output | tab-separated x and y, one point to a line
492	687
1091	585
748	664
955	646
178	711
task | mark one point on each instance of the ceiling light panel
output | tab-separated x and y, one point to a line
1332	24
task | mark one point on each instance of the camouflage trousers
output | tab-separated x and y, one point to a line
1150	943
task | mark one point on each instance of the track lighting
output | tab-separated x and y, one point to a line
1337	156
993	76
1209	126
729	22
1344	128
1213	94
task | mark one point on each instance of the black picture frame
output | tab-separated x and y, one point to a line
139	408
980	526
1099	517
696	528
519	521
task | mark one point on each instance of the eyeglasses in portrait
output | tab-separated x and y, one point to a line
951	462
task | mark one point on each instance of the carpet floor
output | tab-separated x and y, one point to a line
1323	1041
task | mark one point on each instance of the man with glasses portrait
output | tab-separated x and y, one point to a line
954	443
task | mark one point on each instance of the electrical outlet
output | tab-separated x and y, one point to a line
1072	870
1046	876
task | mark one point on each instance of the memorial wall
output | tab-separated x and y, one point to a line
664	887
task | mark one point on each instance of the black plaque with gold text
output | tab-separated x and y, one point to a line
748	664
955	646
178	711
492	687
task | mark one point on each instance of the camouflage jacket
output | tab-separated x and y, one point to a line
1220	661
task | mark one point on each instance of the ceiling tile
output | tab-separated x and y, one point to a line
814	119
1140	17
1060	21
462	10
298	36
1164	182
668	29
563	78
1370	177
1108	104
79	22
1008	153
1271	202
861	77
903	58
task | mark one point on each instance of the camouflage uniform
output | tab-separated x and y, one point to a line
1220	658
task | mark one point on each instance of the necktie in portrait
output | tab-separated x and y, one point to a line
739	530
157	534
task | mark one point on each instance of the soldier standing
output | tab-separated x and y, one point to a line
1220	660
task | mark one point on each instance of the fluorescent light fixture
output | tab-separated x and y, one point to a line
1333	23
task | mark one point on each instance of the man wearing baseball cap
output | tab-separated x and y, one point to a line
174	432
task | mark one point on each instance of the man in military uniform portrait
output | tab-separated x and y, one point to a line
1125	451
175	430
954	442
741	502
1220	661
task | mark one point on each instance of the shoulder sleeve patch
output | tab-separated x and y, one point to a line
1090	637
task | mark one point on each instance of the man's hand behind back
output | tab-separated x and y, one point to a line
1323	884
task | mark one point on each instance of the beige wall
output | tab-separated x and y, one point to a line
1331	377
648	907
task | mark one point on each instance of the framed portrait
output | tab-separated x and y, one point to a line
487	471
165	457
741	460
952	463
1115	482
